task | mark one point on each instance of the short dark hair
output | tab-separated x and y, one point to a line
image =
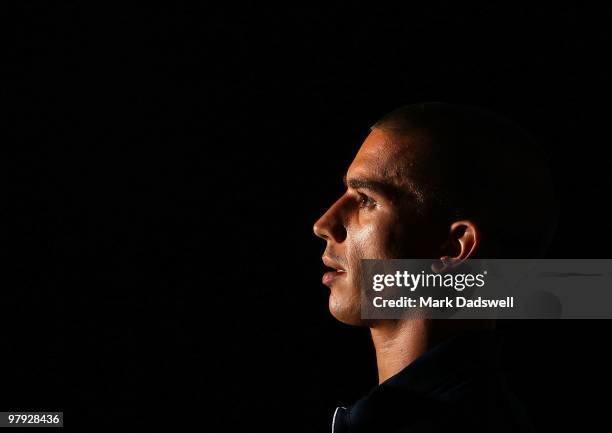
485	167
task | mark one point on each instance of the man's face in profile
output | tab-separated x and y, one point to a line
380	216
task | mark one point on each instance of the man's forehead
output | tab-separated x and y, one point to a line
385	157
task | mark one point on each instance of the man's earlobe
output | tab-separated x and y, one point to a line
462	244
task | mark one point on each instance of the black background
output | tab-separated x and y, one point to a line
170	163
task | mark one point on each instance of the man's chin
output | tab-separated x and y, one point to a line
345	312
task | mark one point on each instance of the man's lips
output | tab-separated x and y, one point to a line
337	272
328	277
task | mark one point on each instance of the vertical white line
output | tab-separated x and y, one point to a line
334	418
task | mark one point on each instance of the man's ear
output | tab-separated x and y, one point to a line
462	243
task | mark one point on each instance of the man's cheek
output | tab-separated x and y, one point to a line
366	242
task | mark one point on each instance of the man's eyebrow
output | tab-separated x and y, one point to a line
386	189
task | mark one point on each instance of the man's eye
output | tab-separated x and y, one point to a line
365	201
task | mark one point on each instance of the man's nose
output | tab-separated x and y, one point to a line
331	225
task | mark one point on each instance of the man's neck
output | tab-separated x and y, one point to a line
399	342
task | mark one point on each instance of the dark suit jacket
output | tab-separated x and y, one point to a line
457	386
